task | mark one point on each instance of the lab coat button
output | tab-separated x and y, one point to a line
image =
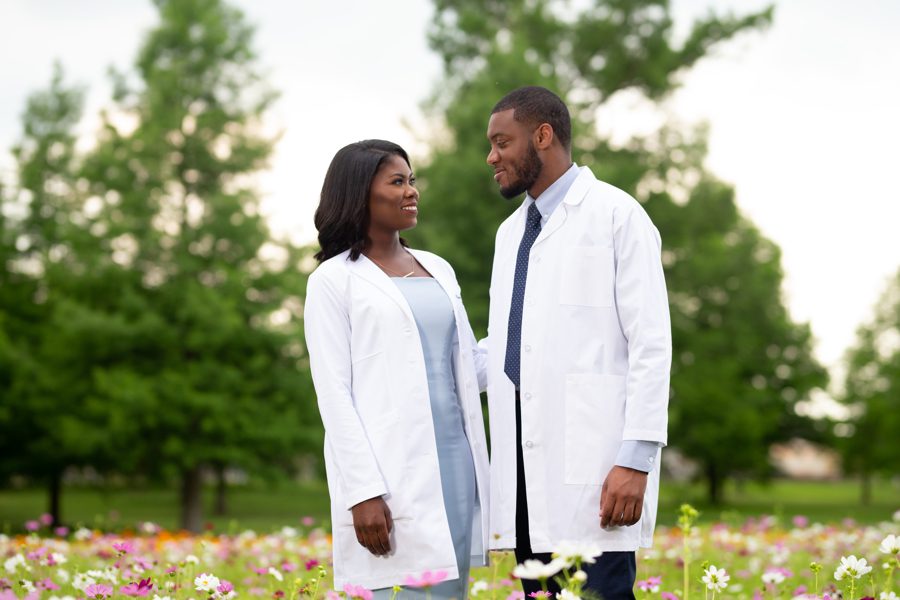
528	395
529	444
527	348
650	460
537	259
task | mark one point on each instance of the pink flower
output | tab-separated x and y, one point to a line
46	519
47	584
800	521
98	591
32	525
427	579
225	587
8	595
142	588
172	570
357	591
288	567
516	595
311	564
668	596
123	547
540	594
307	521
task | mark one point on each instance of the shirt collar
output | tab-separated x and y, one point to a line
554	195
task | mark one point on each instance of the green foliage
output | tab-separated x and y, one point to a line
172	342
740	363
872	391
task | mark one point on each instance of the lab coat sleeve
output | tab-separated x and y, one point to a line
327	325
643	312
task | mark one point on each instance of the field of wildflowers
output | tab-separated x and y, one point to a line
758	560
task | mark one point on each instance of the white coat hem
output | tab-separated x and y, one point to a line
366	493
388	580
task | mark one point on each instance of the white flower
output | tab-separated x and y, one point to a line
156	597
851	567
276	574
61	598
288	532
887	596
574	551
206	583
11	564
59	558
897	515
83	534
535	569
579	576
567	595
774	577
191	559
715	579
82	580
479	586
28	586
63	575
890	544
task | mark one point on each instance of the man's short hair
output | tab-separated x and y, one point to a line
534	105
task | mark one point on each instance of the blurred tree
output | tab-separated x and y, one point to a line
206	327
740	363
872	393
42	413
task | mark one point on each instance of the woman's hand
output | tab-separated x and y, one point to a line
373	524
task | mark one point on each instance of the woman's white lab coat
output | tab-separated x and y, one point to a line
369	373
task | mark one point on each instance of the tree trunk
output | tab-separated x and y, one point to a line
221	507
865	496
55	494
191	506
714	485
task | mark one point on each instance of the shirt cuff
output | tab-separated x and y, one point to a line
638	455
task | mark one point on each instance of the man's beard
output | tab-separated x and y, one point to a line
527	174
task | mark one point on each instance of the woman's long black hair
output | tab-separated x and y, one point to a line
342	218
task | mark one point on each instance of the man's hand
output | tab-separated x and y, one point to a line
373	524
622	497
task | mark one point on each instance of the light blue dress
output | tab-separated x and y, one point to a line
437	328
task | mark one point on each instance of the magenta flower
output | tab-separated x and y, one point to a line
98	591
540	594
172	570
225	587
800	521
46	519
668	596
142	588
32	525
427	579
516	595
357	591
311	564
307	521
123	547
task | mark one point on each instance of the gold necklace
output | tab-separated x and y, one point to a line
391	270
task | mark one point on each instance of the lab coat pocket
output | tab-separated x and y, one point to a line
595	414
587	276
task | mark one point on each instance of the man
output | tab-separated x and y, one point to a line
580	350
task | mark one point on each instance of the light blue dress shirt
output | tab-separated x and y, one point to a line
634	454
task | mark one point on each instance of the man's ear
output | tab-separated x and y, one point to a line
543	136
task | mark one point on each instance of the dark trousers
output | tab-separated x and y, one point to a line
612	576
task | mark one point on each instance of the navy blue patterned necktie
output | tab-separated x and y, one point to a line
513	363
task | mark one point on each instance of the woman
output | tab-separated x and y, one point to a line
397	374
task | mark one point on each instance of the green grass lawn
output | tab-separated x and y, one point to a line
265	508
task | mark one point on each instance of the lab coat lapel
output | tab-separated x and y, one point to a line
368	270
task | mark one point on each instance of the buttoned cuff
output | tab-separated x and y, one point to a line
639	455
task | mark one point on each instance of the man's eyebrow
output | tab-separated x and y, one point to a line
496	135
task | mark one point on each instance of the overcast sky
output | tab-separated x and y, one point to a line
805	117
